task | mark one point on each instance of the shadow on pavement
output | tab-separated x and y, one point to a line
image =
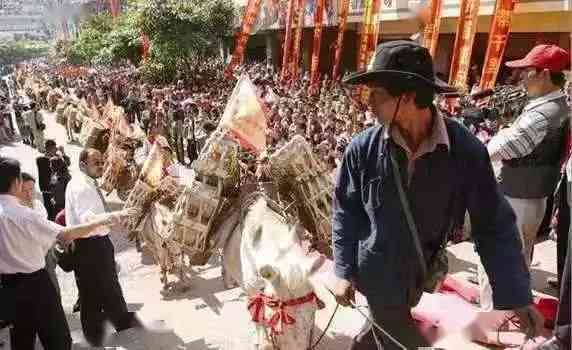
201	287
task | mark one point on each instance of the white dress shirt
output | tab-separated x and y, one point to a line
84	204
25	237
39	207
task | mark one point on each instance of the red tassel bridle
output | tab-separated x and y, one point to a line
280	318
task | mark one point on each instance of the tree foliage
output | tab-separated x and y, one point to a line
104	41
181	31
178	31
12	52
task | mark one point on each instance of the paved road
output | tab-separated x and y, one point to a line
208	317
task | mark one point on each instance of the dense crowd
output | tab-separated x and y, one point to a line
188	110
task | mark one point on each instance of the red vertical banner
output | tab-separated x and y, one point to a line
287	46
466	29
370	32
433	26
248	21
297	46
146	46
114	7
498	37
317	44
368	41
344	9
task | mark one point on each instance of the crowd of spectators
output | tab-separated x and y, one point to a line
187	110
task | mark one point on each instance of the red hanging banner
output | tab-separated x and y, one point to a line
248	21
466	29
315	68
432	26
297	46
114	7
146	46
344	9
287	46
498	37
368	41
370	32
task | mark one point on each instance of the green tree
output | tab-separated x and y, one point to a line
181	31
12	52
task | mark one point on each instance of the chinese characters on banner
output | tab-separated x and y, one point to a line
247	22
287	46
498	38
345	5
432	27
466	29
315	67
369	35
299	21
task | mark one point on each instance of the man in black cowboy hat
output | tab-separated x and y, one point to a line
398	189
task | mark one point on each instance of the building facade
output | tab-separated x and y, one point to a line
534	21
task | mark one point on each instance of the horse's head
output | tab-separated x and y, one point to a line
282	299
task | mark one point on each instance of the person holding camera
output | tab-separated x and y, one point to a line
28	298
399	188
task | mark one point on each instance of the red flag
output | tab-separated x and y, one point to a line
287	47
244	118
344	9
115	7
315	68
369	37
466	29
146	46
250	15
432	26
299	14
498	37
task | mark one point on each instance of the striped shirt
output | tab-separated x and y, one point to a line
527	132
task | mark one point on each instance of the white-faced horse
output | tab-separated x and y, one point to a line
265	255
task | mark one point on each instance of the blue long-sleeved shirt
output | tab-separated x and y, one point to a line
371	240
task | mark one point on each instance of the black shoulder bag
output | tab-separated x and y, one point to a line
433	273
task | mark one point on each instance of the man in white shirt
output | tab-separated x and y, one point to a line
101	297
27	198
28	298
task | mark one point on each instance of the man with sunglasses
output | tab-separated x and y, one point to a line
532	147
398	189
100	294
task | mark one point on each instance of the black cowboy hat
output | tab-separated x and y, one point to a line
400	61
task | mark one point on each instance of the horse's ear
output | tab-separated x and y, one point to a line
299	230
313	263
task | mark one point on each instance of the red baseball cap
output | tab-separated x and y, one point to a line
550	57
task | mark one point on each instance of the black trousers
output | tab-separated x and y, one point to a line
562	328
563	228
101	298
38	312
47	197
395	320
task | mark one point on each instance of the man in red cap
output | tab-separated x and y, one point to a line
530	149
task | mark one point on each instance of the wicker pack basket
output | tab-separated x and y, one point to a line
94	135
303	179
